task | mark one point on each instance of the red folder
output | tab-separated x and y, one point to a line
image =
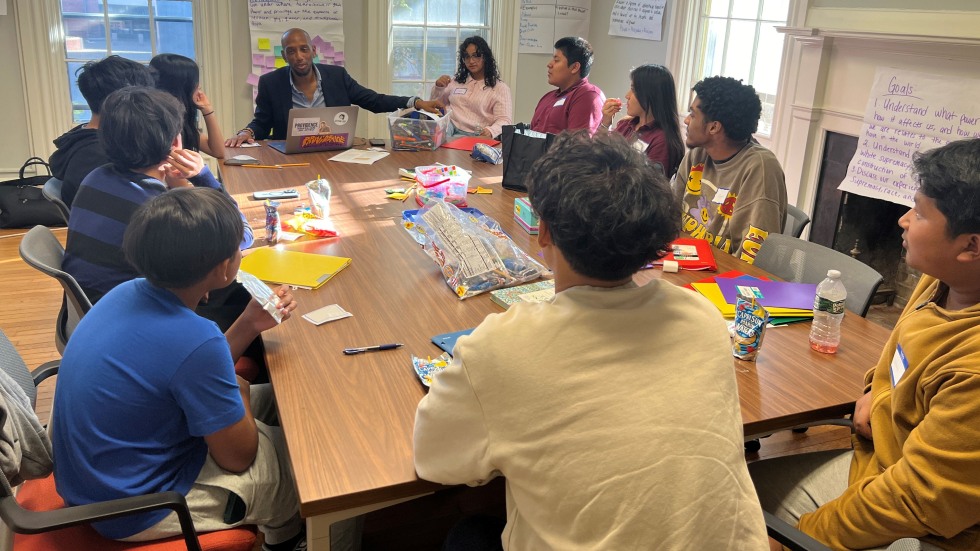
466	143
690	254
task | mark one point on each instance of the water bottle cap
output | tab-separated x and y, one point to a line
833	274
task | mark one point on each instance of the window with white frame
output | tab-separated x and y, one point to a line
425	37
134	29
739	40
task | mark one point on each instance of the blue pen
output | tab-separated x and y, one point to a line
352	351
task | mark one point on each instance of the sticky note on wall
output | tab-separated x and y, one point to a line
264	44
280	62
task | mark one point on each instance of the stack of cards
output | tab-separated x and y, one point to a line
332	312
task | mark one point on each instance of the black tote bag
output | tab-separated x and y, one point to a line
522	147
22	205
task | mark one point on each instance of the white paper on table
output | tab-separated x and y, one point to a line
359	156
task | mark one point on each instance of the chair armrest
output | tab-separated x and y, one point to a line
790	536
45	370
34	522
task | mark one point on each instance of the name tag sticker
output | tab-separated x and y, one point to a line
720	196
899	365
459	91
560	102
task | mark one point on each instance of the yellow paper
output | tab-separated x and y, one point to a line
264	44
305	270
280	62
398	196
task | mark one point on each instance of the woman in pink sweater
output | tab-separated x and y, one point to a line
479	101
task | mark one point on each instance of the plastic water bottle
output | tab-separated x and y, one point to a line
828	311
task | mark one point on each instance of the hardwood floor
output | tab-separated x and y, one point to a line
29	304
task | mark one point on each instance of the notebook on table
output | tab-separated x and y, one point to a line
318	129
690	254
303	270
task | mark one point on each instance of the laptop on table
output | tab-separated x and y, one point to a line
318	129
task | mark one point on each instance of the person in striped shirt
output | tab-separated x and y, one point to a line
480	103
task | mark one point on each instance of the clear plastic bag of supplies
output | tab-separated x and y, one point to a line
474	254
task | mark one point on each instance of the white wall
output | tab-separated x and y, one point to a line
614	57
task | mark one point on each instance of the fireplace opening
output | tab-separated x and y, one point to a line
859	226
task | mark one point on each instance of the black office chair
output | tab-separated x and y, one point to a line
800	261
52	192
796	221
42	251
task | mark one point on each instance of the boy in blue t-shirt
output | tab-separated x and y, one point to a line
147	398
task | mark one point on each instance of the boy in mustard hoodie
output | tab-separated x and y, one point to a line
914	471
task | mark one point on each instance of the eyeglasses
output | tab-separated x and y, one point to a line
476	55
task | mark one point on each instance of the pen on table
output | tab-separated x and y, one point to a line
352	351
276	166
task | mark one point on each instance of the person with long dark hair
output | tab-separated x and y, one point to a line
480	102
181	77
651	123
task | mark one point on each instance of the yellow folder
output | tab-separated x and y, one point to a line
713	293
304	270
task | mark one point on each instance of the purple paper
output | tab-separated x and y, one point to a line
252	79
338	57
770	293
270	61
258	59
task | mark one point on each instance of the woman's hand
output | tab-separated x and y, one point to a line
610	108
201	100
443	81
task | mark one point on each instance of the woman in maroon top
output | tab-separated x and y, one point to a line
651	122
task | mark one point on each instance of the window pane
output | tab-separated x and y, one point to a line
775	10
174	8
714	47
473	12
440	54
466	33
175	37
129	7
443	12
738	57
130	37
84	36
745	9
767	61
79	107
408	11
718	8
409	89
406	53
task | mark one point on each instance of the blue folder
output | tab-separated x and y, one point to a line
447	341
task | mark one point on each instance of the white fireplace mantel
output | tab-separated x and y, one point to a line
825	82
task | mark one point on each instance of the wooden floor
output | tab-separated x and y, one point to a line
29	303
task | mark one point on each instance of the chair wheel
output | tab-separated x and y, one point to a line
800	430
752	446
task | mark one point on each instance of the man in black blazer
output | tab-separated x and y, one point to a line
306	84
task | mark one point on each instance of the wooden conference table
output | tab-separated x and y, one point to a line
348	420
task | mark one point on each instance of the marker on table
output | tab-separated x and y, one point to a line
352	351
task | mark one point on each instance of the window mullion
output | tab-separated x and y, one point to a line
108	29
151	18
